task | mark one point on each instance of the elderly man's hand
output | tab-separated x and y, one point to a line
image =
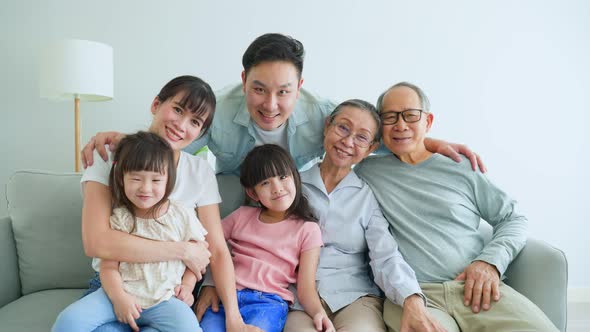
415	317
482	284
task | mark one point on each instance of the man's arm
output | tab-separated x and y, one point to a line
98	142
482	276
453	151
100	240
112	138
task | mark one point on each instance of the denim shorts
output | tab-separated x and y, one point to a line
265	310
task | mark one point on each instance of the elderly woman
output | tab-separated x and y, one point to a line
356	236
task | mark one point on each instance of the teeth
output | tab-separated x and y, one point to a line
343	152
173	134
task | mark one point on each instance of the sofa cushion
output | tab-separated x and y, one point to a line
36	312
45	209
232	193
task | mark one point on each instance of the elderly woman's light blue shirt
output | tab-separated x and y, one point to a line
359	252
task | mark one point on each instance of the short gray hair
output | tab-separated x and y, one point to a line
423	98
362	105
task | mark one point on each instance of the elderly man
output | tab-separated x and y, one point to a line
434	207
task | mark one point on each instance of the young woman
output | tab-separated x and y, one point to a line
142	294
182	111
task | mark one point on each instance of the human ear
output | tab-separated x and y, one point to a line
155	104
243	80
374	147
326	125
252	194
429	120
299	84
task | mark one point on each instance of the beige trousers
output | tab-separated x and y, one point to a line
362	315
513	312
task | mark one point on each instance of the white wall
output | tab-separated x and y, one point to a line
510	78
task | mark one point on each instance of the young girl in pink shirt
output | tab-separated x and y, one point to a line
273	245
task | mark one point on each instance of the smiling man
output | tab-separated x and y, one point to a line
434	207
269	106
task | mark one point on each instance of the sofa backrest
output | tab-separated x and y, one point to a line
45	210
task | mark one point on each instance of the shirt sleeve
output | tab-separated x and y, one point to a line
208	181
510	226
100	169
311	236
122	220
193	229
391	271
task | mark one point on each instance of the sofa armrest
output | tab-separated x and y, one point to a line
539	272
9	279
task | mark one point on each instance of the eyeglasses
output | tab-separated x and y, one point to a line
409	116
360	140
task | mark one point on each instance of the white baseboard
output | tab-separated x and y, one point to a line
577	295
578	305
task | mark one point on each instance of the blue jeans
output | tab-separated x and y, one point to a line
264	310
93	311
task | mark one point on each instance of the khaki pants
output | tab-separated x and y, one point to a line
513	312
362	315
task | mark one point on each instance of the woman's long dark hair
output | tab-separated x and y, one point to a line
270	160
143	151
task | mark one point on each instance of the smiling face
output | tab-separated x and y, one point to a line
276	194
406	140
271	90
144	189
342	151
176	124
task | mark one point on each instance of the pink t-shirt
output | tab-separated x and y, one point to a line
266	256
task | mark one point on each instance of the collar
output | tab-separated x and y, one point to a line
313	177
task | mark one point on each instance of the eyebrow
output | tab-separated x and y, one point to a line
257	82
359	129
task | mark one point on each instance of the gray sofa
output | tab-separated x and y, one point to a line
43	267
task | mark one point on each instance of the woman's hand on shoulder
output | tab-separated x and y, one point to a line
97	142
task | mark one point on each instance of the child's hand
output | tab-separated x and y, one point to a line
185	294
207	298
323	323
126	310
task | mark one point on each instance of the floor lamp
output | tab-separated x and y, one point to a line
77	70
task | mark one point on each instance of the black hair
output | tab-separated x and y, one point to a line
142	151
274	47
198	97
270	160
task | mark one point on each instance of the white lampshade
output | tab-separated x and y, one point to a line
77	68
